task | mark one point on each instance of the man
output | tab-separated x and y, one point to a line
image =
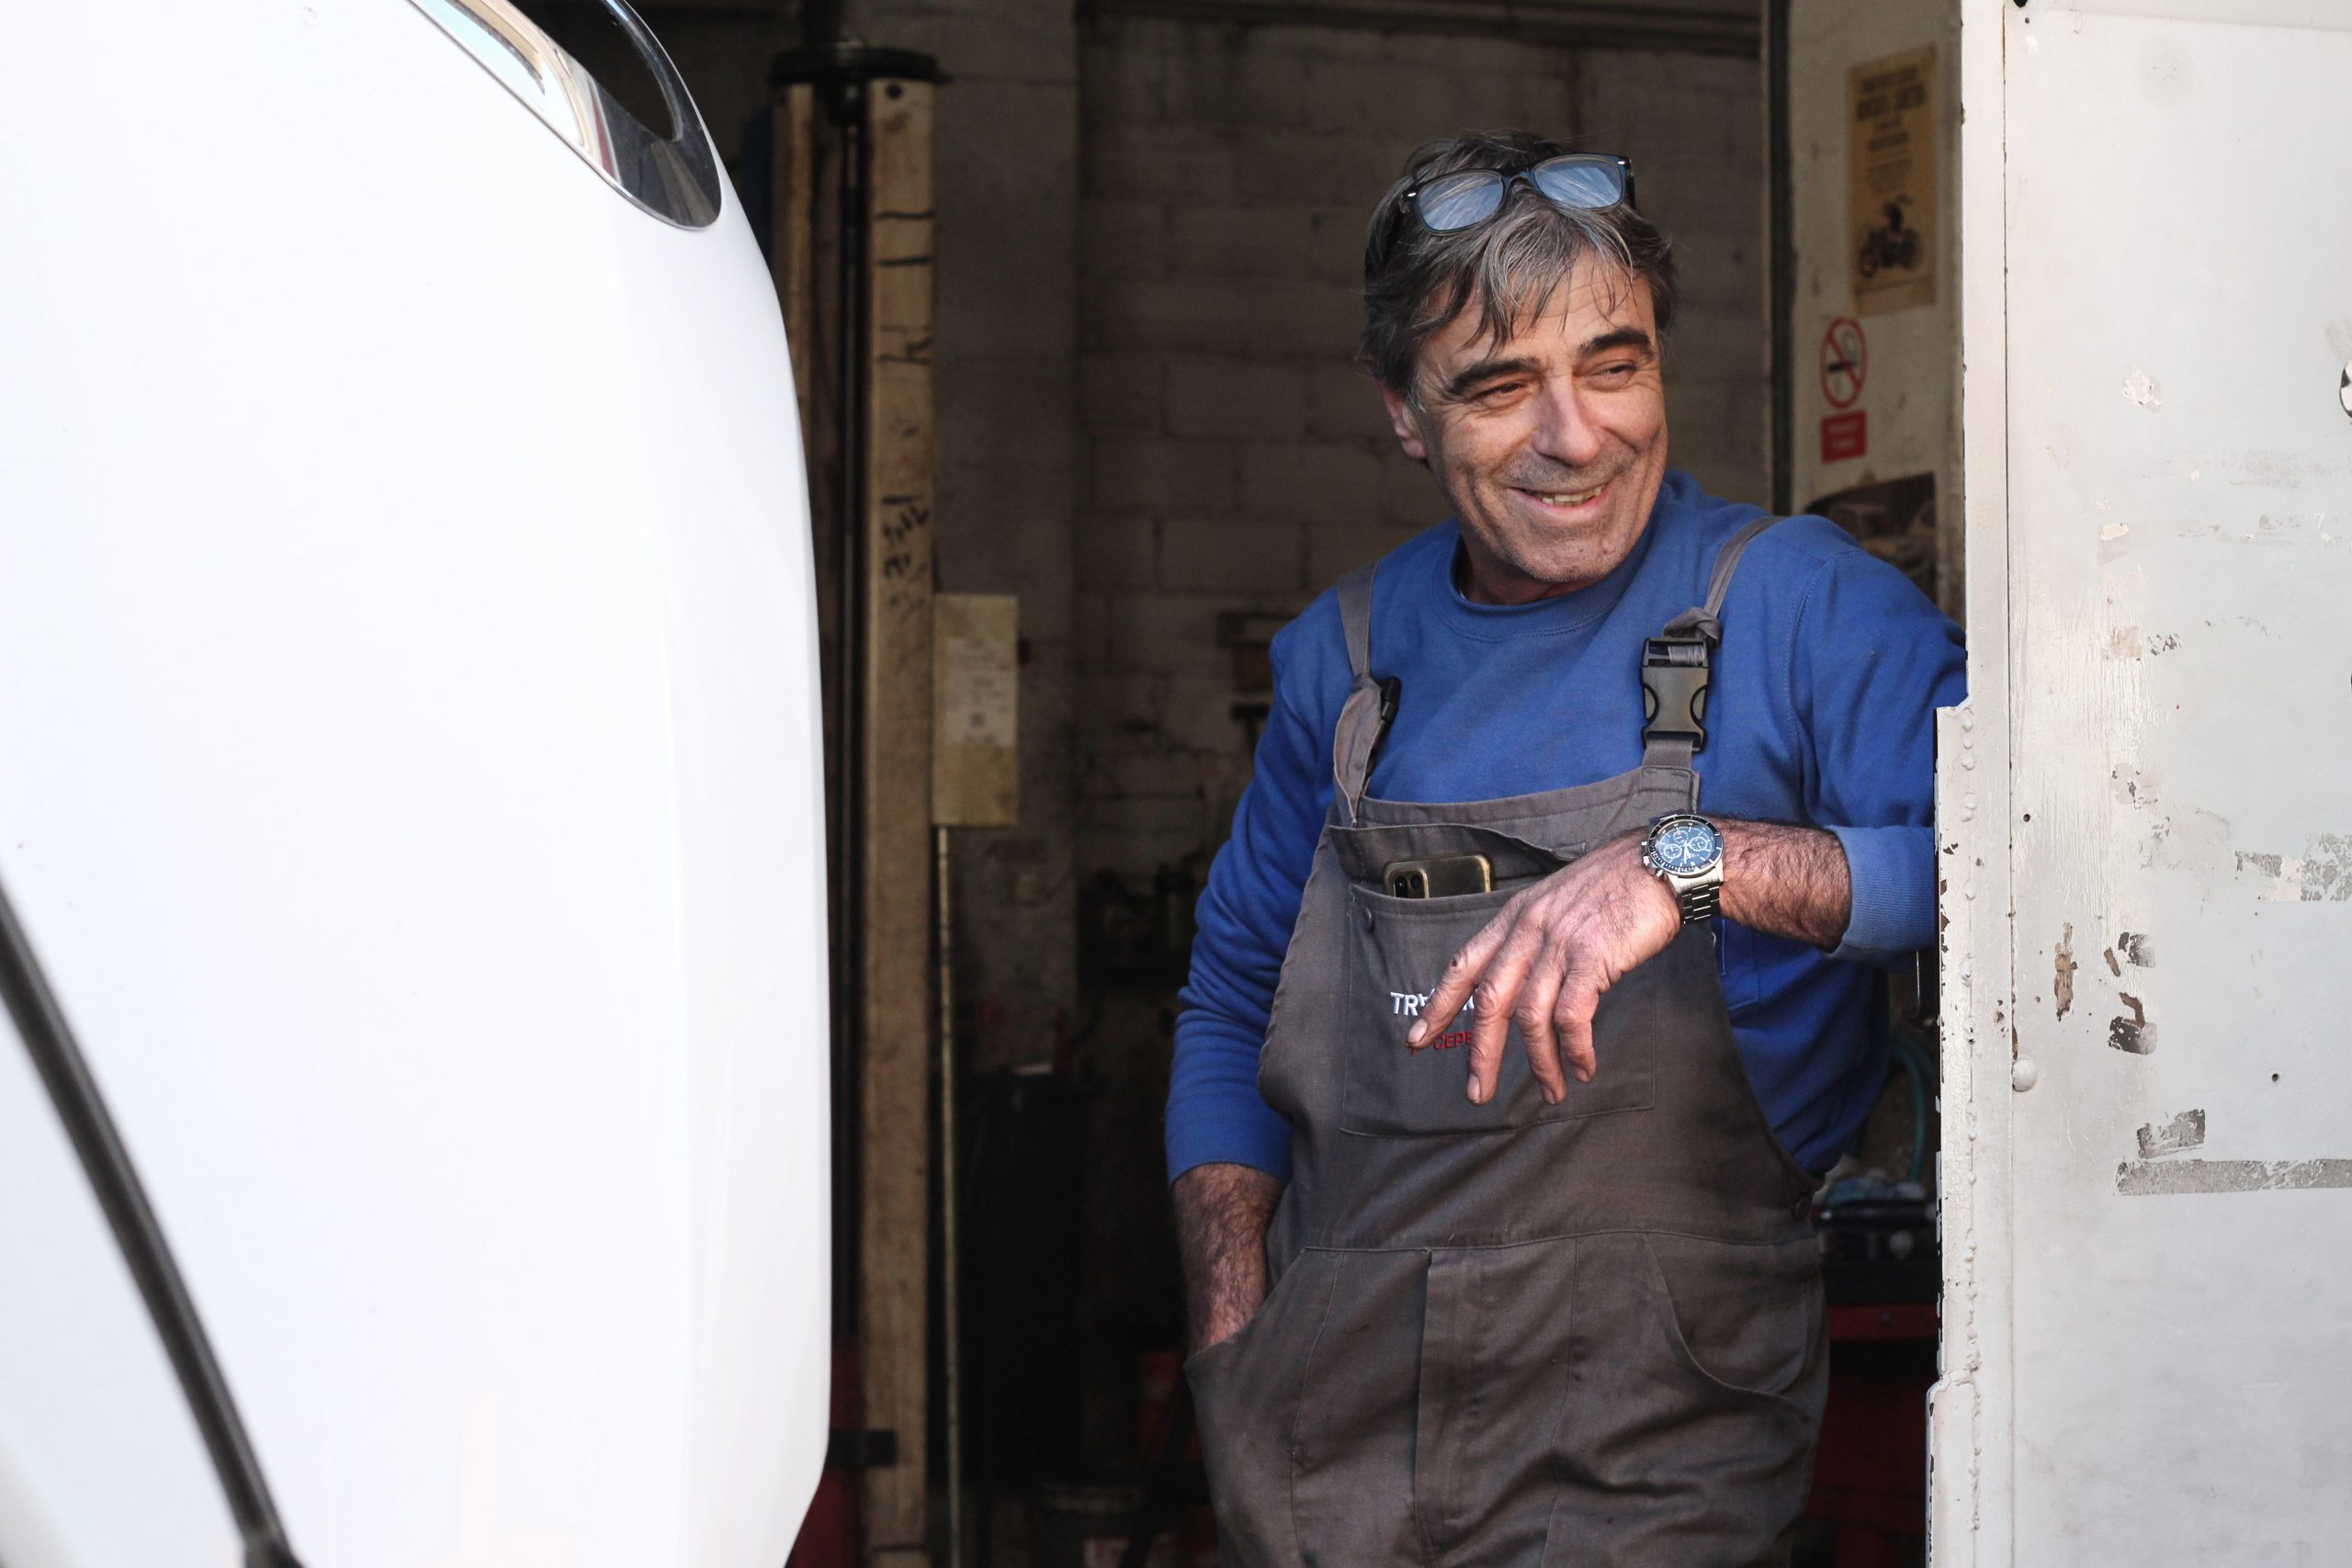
1492	1145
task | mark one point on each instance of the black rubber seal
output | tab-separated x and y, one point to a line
107	1163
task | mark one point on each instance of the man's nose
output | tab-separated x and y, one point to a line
1566	431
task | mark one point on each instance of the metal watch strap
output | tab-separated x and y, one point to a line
1702	902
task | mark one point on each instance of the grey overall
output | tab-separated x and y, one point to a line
1587	1334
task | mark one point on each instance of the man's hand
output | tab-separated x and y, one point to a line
1222	1212
1545	958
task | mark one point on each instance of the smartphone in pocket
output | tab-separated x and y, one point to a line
1438	876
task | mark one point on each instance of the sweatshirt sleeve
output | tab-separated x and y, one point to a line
1874	660
1242	929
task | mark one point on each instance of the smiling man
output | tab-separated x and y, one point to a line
1535	986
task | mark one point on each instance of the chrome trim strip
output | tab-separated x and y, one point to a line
677	178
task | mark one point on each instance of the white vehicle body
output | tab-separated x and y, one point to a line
410	782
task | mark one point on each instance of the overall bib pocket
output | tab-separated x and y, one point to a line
1396	950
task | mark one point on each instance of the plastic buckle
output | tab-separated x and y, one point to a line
1675	676
1391	690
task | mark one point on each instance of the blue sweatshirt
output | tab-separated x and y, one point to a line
1821	711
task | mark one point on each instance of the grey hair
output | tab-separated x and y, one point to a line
1415	281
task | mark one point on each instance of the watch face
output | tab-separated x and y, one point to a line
1685	849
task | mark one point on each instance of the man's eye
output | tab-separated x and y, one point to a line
1619	372
1498	390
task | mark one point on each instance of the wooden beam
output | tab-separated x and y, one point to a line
894	1163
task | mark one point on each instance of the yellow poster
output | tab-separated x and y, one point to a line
1891	181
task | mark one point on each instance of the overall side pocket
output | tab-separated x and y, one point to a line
1246	1391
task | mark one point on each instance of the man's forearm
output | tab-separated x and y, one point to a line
1786	882
1222	1212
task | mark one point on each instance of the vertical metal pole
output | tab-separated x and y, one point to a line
851	660
951	1394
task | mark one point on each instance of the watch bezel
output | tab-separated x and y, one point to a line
1675	819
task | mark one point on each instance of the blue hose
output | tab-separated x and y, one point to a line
1911	1055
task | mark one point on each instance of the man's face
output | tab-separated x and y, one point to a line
1551	445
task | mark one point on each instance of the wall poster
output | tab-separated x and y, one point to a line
1891	181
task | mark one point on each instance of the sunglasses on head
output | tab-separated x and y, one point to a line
1578	181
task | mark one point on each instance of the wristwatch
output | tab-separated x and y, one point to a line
1686	852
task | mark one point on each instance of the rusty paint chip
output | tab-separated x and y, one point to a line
2135	1033
2062	987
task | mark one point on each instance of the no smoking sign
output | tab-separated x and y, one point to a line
1845	361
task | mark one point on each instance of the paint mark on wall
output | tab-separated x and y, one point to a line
2281	470
2322	873
2184	1131
2137	947
2135	1033
2140	387
2114	539
2112	966
2189	837
2158	1178
2127	642
2062	987
2132	786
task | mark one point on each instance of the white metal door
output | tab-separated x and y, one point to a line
2147	823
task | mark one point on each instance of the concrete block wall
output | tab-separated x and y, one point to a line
1232	459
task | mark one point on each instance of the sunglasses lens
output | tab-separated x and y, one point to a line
1457	201
1581	182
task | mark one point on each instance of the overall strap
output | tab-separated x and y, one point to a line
1371	702
1354	593
1677	666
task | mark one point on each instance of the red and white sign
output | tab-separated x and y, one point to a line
1845	436
1845	361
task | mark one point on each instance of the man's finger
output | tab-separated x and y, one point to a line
1572	1012
1492	1000
1462	973
1534	1015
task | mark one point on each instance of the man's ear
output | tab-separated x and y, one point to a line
1402	420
